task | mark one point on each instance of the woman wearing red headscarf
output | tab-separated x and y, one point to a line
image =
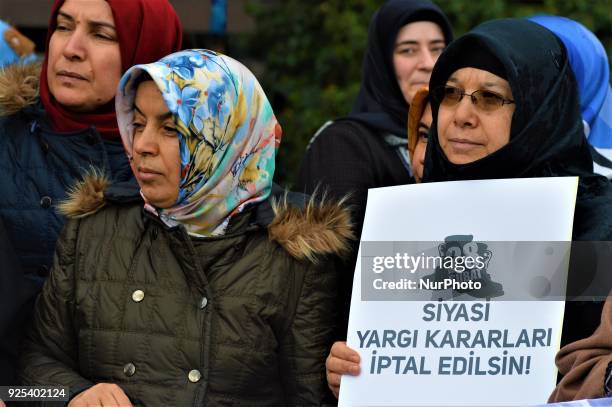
56	124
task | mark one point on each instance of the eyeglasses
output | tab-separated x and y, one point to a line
485	100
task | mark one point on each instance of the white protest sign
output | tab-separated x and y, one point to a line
433	350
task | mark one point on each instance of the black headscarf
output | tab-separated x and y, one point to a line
380	103
546	136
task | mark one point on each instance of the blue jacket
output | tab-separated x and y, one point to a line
37	168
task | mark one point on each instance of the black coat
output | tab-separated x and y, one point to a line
344	159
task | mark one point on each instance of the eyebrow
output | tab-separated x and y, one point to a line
160	117
93	23
493	85
484	84
413	42
423	126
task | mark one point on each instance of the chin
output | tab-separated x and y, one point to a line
72	99
461	159
158	202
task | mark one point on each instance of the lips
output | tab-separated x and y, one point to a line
463	144
147	174
71	75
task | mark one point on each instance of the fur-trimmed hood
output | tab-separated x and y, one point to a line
318	228
19	86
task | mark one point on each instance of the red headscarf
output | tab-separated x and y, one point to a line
146	30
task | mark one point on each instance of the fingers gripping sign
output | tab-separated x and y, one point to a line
341	360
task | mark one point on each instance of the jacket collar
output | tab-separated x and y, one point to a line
306	227
19	84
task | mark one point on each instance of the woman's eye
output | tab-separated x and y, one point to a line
170	129
407	51
423	136
137	127
491	98
61	27
104	36
436	50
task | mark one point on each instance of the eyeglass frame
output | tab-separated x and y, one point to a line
442	90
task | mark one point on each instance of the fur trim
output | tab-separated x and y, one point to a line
18	87
86	197
322	228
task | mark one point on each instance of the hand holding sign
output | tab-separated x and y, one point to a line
341	360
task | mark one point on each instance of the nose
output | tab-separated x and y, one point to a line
145	142
465	113
427	60
74	48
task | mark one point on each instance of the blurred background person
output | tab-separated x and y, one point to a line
367	149
59	122
589	62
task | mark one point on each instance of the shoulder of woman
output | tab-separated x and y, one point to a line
19	85
343	131
94	192
312	229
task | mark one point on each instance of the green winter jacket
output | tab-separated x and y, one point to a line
242	319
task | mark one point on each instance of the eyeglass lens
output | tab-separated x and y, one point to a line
483	99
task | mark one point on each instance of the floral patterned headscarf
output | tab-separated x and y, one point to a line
228	136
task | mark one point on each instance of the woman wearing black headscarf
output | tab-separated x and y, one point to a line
367	149
505	105
544	136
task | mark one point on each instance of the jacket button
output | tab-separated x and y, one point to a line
129	369
45	202
194	376
138	295
203	302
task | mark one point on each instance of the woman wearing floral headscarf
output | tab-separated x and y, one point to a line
214	294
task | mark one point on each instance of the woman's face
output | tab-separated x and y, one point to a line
84	65
418	157
467	132
417	47
156	158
